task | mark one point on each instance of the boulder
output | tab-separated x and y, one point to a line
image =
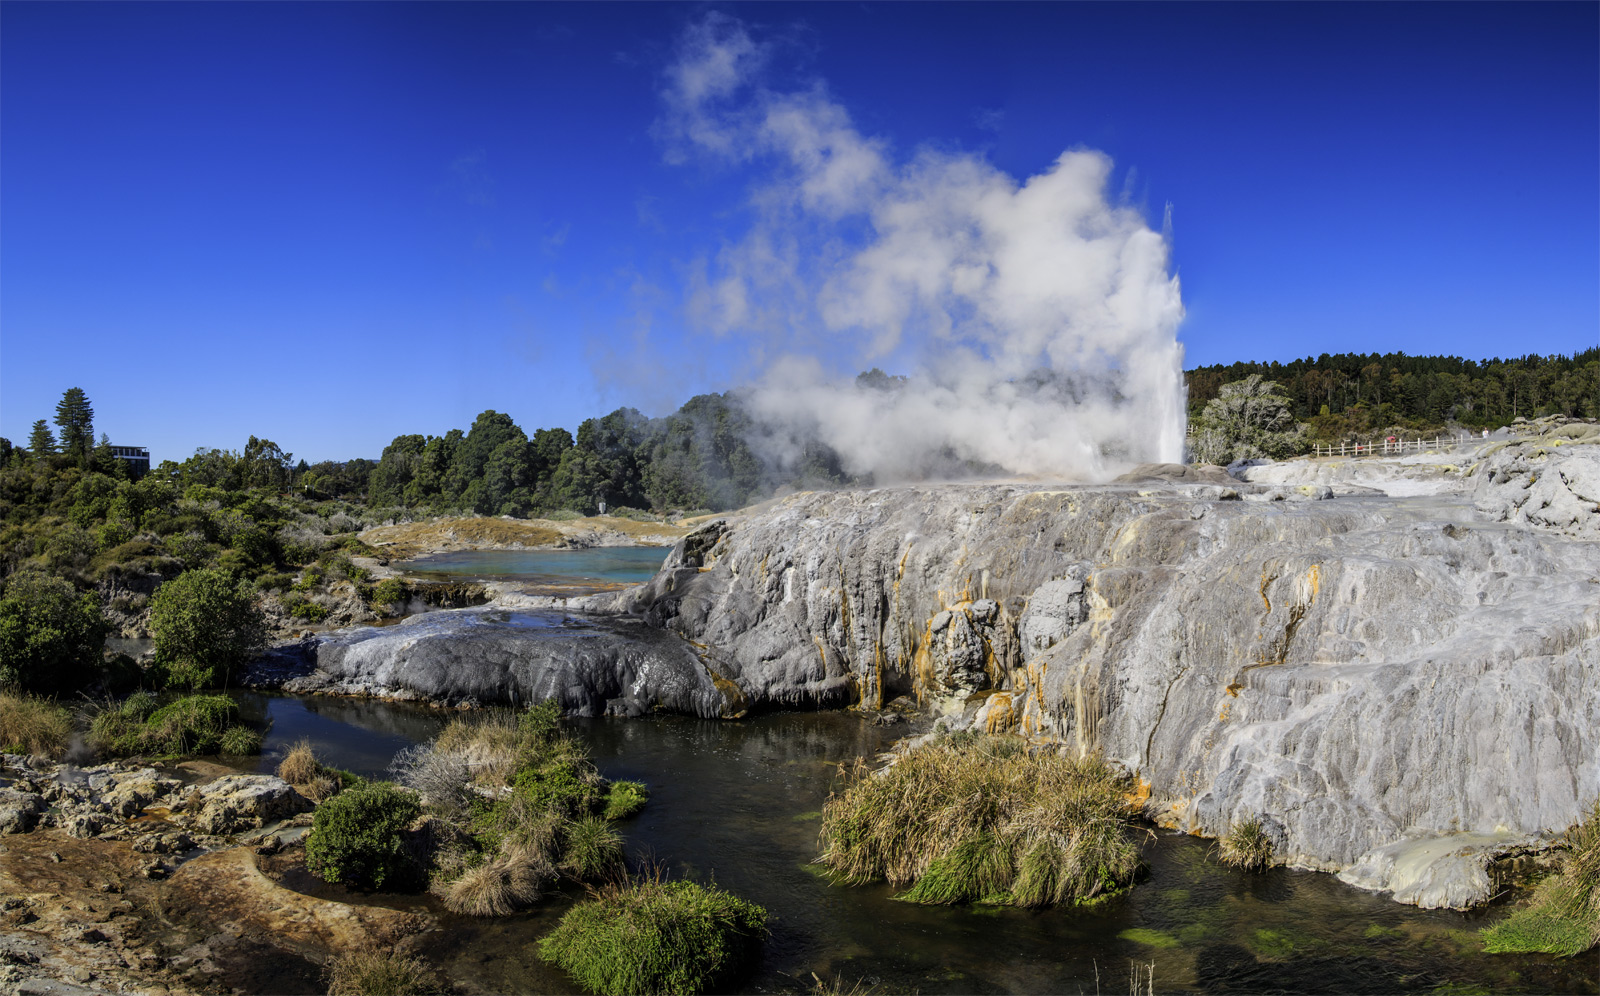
19	811
237	803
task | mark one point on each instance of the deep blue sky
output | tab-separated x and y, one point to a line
329	224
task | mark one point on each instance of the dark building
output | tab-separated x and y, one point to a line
138	459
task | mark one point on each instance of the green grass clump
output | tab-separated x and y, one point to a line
1246	845
591	848
358	838
193	724
379	972
240	741
1564	916
623	799
652	936
972	818
32	725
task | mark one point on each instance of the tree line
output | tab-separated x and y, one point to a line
1365	392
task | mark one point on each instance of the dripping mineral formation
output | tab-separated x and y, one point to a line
1395	662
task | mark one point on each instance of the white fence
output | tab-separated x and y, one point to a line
1388	447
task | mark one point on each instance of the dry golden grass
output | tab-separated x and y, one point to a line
414	539
379	972
497	888
984	818
30	725
1246	845
487	743
300	765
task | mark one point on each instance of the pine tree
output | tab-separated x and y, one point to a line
42	442
76	420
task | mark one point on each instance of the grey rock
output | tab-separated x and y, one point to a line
1361	671
1551	481
19	811
135	790
235	803
487	655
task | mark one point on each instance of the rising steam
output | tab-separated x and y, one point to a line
1037	319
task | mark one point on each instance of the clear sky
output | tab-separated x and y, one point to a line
329	224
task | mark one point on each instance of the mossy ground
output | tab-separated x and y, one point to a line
1563	916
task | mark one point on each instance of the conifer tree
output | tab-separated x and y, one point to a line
41	442
76	420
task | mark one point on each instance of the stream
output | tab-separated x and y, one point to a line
739	803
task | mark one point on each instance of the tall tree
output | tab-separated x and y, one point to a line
76	420
41	442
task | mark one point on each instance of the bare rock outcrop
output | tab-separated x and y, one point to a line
1363	670
1551	481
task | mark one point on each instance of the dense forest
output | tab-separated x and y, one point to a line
1352	394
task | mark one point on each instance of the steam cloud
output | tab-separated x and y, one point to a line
1037	319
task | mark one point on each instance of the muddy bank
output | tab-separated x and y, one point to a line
415	539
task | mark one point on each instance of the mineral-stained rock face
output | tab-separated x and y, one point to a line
1359	670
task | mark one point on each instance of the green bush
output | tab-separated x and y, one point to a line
388	591
204	621
657	937
358	838
306	610
50	636
592	848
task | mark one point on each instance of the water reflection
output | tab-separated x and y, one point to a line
739	803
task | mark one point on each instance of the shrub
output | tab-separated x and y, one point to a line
498	888
656	937
1245	845
202	621
30	725
980	818
380	972
624	799
300	765
240	741
388	592
50	636
358	837
305	609
1564	915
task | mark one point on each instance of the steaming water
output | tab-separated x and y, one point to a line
624	564
739	802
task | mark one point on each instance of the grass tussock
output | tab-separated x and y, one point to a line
31	725
1563	917
649	935
497	888
523	802
380	972
193	724
973	818
300	766
1246	845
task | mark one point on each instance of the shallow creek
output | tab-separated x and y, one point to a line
738	802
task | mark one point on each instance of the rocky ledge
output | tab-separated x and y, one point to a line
129	877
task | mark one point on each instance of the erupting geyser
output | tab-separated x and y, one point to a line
1038	319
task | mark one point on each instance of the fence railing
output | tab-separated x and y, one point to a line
1388	447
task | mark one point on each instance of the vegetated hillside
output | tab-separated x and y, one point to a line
1362	392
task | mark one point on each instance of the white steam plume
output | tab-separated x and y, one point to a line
1037	318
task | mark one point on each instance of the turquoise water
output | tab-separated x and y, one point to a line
738	802
617	564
